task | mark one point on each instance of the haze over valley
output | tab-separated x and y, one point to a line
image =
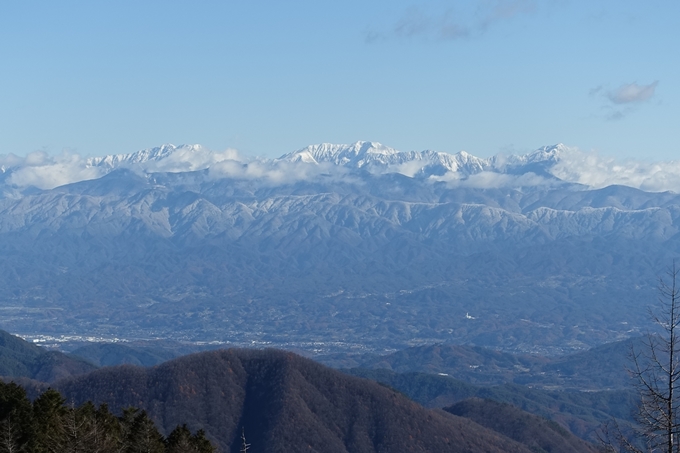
335	248
339	227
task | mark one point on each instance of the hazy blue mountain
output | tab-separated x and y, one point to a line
583	413
332	247
110	354
601	368
20	359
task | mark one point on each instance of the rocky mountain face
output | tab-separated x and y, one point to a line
332	247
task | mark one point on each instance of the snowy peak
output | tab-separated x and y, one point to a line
165	158
355	155
547	153
464	163
544	155
380	158
143	156
372	156
546	166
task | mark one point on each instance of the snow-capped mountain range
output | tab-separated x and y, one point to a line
377	156
332	241
546	165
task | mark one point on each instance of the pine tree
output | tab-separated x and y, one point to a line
16	418
144	436
48	413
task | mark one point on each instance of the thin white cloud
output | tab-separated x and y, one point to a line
279	172
624	100
498	10
595	171
43	171
190	158
466	19
10	160
632	93
40	170
414	22
494	180
409	169
616	115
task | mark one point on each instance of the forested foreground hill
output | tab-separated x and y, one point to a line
283	402
49	425
581	413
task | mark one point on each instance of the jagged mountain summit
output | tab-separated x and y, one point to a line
331	246
373	157
378	157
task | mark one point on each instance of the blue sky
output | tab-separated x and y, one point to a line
269	77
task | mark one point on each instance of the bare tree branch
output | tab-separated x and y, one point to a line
656	373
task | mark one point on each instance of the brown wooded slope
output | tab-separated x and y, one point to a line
285	403
536	432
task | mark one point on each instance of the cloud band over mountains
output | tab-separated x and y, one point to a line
560	163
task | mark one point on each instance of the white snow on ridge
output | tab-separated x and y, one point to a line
382	159
544	154
166	158
548	165
357	154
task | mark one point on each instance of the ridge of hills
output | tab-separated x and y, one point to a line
284	402
535	432
387	248
111	354
599	368
127	256
19	358
596	369
582	413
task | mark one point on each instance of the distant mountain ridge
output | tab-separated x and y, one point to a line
367	154
376	156
341	246
142	156
21	359
537	433
597	369
371	156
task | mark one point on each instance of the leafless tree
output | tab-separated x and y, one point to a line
656	373
245	446
9	436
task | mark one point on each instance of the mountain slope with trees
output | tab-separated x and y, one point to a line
537	433
48	424
19	358
282	402
599	368
582	413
